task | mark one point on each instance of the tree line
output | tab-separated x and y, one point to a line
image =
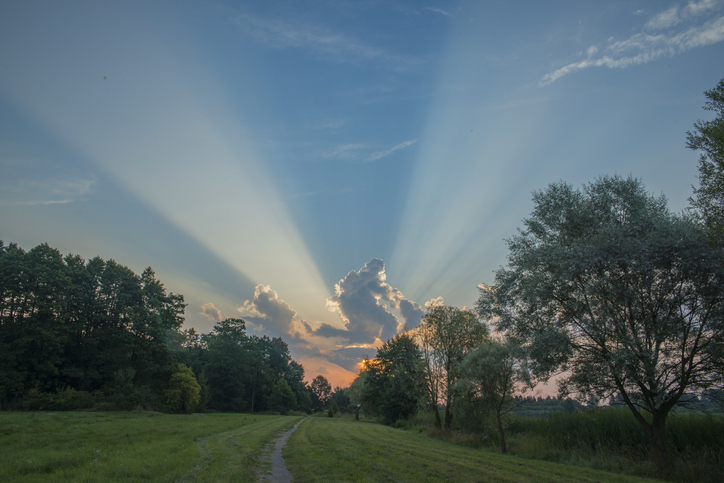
80	334
604	286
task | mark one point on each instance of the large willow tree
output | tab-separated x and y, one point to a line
607	286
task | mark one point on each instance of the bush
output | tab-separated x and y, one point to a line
183	393
65	400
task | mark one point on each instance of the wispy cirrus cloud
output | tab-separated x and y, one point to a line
361	152
320	41
346	152
387	152
439	11
660	39
26	192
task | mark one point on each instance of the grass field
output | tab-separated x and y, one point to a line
128	447
340	449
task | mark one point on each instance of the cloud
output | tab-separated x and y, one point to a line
667	18
363	300
697	8
355	152
434	302
383	154
438	10
349	358
359	300
642	48
319	41
344	152
211	312
271	314
45	191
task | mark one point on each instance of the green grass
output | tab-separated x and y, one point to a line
340	449
92	447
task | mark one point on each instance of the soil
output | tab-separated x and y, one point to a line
279	472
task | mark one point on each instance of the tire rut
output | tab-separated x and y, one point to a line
279	472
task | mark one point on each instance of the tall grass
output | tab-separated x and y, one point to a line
611	439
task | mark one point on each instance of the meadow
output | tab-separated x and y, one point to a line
134	446
211	447
342	449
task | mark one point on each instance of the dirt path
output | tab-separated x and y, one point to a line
279	472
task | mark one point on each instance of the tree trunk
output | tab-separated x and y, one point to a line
659	444
448	417
503	448
438	424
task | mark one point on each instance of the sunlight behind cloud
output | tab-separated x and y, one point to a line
162	126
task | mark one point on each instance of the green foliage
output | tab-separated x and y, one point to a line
96	327
330	413
393	385
445	336
608	285
320	391
183	393
341	400
65	322
708	137
282	398
488	376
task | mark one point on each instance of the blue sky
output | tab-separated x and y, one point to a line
325	168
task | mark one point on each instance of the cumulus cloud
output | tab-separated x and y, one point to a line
363	300
434	302
359	300
271	314
211	312
659	40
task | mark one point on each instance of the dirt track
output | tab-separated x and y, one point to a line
279	472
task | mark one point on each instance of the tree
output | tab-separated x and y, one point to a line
281	398
608	286
321	391
341	399
227	369
491	373
183	393
393	385
708	137
445	335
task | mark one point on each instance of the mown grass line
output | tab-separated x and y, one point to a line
92	447
340	449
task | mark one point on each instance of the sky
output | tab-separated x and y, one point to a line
325	169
